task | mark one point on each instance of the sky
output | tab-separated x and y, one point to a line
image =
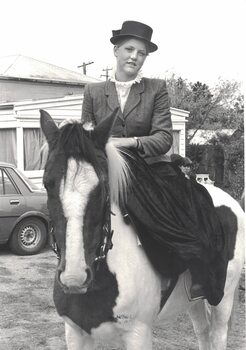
199	40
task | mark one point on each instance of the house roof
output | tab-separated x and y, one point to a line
23	67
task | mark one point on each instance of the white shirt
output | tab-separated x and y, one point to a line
123	88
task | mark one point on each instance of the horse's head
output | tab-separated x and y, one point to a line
76	180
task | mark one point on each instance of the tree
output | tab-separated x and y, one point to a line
179	92
220	107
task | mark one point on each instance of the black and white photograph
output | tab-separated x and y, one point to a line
122	201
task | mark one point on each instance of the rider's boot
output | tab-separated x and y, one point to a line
196	289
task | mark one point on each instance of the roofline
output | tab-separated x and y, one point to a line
59	82
6	106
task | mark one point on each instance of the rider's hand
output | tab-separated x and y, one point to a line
128	142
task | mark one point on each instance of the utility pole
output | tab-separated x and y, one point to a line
84	66
106	70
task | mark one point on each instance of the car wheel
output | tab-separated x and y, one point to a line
28	237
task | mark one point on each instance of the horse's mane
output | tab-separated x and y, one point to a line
119	174
76	142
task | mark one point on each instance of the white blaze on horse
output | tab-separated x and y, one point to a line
115	295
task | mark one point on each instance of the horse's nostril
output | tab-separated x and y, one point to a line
89	275
75	281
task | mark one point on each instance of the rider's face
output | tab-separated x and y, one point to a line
130	56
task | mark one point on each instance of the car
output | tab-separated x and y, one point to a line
24	216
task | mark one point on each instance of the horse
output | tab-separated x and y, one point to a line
105	288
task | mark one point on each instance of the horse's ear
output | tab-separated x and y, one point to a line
48	126
102	131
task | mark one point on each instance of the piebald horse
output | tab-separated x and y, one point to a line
110	292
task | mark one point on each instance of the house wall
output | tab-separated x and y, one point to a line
19	90
179	119
25	114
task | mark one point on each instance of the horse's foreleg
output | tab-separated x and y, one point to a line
139	338
76	339
200	315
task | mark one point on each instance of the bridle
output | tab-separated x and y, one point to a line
106	240
107	233
53	243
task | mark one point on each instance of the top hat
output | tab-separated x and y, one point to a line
137	30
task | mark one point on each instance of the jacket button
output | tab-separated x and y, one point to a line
123	134
123	124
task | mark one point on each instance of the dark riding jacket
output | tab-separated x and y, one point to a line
146	114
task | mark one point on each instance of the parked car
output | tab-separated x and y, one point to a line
24	215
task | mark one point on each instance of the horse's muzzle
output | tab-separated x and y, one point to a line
71	284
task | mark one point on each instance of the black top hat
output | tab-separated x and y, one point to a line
137	30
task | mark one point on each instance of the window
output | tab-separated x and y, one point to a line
34	152
8	145
6	186
1	182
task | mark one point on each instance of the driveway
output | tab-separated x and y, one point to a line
28	320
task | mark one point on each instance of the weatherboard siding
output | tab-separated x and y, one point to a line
11	90
25	114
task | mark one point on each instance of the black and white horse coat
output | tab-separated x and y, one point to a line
118	301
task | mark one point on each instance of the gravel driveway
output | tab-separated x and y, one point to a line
28	320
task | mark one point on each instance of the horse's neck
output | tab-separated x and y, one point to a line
125	238
127	253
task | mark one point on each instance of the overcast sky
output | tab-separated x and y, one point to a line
198	39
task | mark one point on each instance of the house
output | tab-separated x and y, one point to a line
25	78
21	139
28	85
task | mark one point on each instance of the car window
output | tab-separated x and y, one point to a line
1	182
6	186
30	183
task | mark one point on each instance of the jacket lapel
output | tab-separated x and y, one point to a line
134	98
112	97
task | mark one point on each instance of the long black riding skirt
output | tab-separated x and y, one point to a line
177	224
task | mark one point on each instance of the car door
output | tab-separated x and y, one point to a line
12	205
